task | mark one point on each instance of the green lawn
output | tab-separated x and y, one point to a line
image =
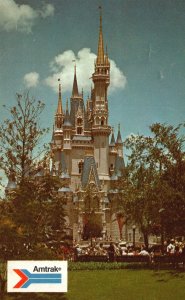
126	284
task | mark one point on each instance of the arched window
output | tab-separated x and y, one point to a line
79	130
79	126
102	121
79	121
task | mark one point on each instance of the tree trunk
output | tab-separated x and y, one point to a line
2	287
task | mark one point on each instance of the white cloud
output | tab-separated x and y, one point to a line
22	17
62	67
31	79
117	79
47	10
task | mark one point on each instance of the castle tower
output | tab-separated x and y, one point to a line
59	113
100	128
76	106
89	167
57	136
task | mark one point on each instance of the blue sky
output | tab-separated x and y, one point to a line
146	43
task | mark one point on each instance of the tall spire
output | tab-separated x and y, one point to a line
75	85
59	108
100	56
67	121
119	139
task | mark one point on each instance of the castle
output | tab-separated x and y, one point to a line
88	159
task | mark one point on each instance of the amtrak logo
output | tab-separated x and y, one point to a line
37	276
27	278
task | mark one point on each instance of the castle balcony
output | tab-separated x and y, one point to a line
58	131
101	130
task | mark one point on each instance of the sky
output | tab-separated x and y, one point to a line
146	45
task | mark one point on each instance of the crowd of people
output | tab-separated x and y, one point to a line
112	250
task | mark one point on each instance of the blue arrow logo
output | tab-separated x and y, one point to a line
28	278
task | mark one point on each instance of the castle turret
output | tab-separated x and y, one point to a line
76	100
57	135
112	153
100	128
75	93
119	143
59	113
101	79
67	128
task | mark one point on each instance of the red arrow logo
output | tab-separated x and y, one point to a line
23	280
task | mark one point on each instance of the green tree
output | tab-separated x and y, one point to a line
154	194
139	199
20	136
32	205
37	216
169	143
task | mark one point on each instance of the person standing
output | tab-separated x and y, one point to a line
111	252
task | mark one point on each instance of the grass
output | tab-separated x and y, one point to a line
116	284
126	285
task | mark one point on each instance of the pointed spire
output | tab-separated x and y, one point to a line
119	139
75	84
59	108
100	55
67	117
